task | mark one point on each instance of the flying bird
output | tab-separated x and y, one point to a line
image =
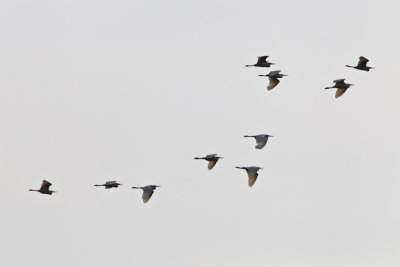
261	140
362	64
44	188
273	78
147	191
341	87
212	160
251	173
262	62
109	184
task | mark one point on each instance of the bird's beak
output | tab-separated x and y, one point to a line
272	63
262	75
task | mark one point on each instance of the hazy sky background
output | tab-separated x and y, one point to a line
133	90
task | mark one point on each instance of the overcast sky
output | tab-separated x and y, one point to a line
133	90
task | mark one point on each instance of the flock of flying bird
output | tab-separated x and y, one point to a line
261	139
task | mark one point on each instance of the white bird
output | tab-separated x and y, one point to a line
341	87
273	78
147	191
362	64
44	188
261	140
262	62
212	160
251	173
109	184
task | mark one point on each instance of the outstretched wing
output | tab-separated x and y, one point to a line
362	62
252	178
211	164
339	81
262	59
260	143
45	185
274	73
147	195
340	91
272	83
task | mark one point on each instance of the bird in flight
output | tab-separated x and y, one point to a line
341	87
362	64
261	140
147	191
44	188
109	184
252	173
212	160
262	62
273	78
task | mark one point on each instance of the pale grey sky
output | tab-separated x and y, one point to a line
133	90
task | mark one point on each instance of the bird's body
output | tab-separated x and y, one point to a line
273	78
252	173
261	140
109	184
147	191
262	62
341	87
44	188
362	64
212	160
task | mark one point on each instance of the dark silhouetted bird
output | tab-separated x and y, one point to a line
44	188
273	78
341	87
109	184
212	160
362	64
262	62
